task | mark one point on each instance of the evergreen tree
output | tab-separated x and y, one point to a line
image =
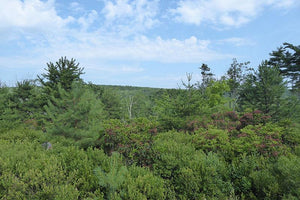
235	77
207	77
263	89
23	99
63	72
288	60
112	103
8	117
110	98
270	88
76	115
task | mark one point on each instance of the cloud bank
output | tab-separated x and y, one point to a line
229	13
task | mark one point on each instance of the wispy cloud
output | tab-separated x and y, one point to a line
236	41
130	17
63	39
141	48
114	69
231	13
88	20
76	7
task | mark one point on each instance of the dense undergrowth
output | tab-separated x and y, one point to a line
134	161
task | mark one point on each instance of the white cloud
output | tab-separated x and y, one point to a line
141	48
30	14
102	43
131	69
75	6
114	69
119	9
225	13
236	41
88	20
129	17
285	3
55	37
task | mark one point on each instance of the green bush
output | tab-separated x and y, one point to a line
132	139
191	173
75	116
287	170
29	171
121	182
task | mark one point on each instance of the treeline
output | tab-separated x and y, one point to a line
236	137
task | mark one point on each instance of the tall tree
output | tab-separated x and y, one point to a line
287	58
63	72
235	76
22	99
76	115
110	98
206	77
263	89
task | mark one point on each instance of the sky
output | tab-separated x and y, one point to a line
149	43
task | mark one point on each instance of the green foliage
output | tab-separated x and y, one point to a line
171	109
263	90
121	182
110	98
235	76
63	72
27	102
214	94
21	105
28	171
192	173
115	142
76	115
175	109
287	170
213	140
8	117
112	103
206	77
133	140
113	179
263	139
289	64
228	120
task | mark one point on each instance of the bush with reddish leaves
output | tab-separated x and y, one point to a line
193	125
226	121
253	118
132	139
262	139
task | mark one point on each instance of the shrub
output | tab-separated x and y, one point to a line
132	139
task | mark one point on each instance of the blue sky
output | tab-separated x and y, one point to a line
149	43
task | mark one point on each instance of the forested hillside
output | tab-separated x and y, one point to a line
236	137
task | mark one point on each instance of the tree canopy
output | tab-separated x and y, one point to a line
287	58
63	72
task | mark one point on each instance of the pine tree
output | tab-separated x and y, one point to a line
76	115
263	89
207	77
235	77
287	58
63	72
